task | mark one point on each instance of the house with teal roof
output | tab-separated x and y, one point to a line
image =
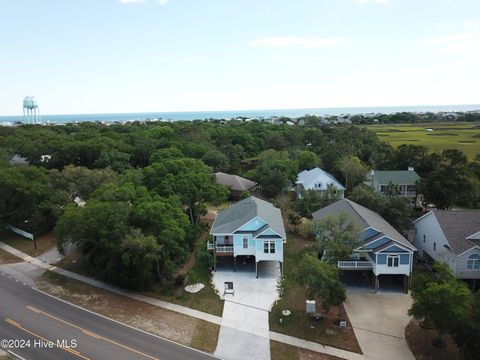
383	251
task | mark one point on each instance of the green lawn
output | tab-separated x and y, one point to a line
461	136
298	323
206	300
44	243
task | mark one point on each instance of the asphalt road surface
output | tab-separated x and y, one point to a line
37	326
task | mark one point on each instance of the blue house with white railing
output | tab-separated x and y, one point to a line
250	228
383	250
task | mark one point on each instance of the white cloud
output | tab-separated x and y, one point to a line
383	2
286	41
132	1
470	24
455	43
163	2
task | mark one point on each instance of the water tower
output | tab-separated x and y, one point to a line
31	113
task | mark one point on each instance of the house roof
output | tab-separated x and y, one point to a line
457	225
308	178
364	218
234	182
229	220
18	160
399	177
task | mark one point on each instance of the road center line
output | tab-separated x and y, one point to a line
92	334
17	325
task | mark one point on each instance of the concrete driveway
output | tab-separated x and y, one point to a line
244	333
379	322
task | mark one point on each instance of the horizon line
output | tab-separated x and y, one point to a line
252	110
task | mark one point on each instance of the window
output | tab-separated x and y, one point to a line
434	246
382	188
424	237
392	260
226	240
245	241
473	262
269	246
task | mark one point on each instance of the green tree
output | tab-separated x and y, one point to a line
321	280
217	160
337	236
80	181
352	169
190	179
307	160
313	200
275	171
444	302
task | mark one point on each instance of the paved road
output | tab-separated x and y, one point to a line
28	315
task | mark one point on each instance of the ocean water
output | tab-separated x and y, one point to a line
201	115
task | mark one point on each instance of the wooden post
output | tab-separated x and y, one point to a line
214	253
281	268
376	284
256	268
405	284
234	264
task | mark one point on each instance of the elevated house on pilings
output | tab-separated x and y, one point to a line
251	228
384	254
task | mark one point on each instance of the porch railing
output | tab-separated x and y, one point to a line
354	264
220	248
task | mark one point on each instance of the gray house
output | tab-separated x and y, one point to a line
404	180
250	228
237	184
451	237
383	250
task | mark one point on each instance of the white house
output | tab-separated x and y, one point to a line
451	237
319	180
250	228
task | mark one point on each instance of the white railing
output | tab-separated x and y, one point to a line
220	248
224	249
354	264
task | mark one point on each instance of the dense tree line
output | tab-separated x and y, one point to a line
129	174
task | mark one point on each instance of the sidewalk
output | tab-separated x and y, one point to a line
181	309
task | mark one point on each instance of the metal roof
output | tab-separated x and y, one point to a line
399	177
308	178
231	219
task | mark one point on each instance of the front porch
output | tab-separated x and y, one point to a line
220	250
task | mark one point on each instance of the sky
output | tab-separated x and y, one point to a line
113	56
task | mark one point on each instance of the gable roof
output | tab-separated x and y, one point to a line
399	177
229	220
457	226
364	218
308	178
234	182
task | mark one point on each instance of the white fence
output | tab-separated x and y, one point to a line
221	248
